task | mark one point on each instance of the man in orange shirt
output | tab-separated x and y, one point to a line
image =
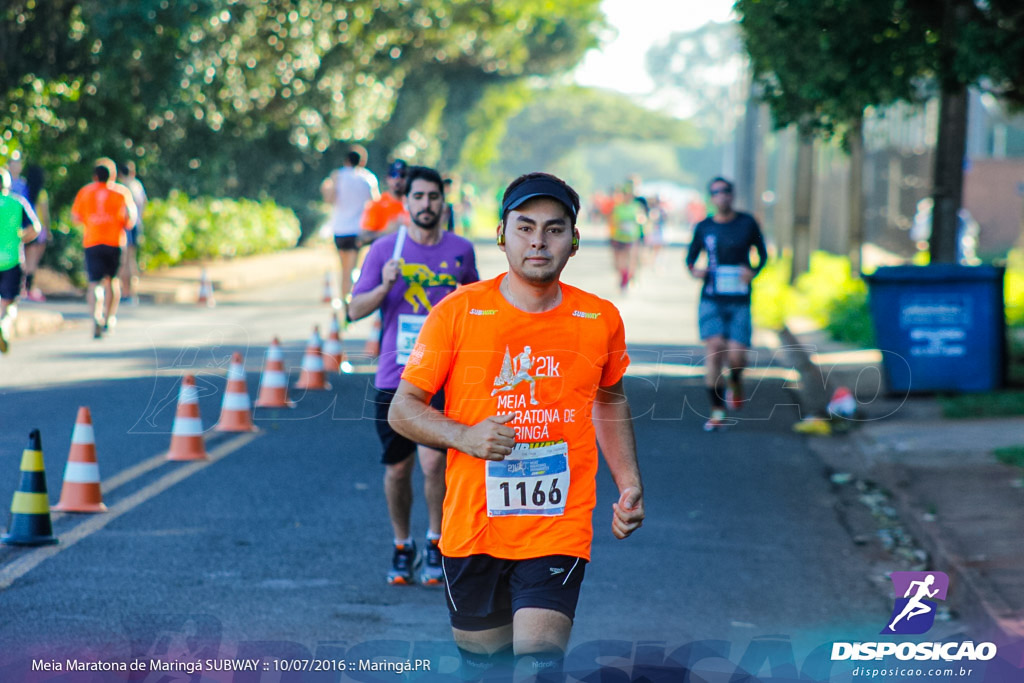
382	216
104	210
532	373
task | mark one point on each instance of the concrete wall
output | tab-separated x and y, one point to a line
994	194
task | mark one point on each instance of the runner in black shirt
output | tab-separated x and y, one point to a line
724	313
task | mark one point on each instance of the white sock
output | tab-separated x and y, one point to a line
407	541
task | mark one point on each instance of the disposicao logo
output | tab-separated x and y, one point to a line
914	610
913	614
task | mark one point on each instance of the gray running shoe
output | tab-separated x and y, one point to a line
432	573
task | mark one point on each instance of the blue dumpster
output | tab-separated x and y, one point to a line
940	327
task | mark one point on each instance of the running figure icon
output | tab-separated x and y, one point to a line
509	379
915	606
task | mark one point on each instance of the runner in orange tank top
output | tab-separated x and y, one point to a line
532	373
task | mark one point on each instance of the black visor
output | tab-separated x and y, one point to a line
538	187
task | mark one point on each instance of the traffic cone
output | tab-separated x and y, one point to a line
328	296
81	489
333	352
313	376
187	432
274	382
236	411
205	290
30	509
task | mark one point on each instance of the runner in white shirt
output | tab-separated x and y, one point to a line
348	190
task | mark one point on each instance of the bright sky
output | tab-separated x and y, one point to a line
619	65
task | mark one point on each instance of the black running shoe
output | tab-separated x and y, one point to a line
403	564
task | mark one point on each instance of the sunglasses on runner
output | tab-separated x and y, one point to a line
724	190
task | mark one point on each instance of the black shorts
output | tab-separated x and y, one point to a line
347	242
484	592
10	283
102	261
396	447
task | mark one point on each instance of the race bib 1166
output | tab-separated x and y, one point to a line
532	480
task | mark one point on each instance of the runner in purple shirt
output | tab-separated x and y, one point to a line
405	275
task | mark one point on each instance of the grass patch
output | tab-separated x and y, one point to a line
1010	455
994	404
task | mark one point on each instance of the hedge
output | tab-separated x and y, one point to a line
829	294
179	229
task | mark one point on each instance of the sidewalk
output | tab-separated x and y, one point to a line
180	284
960	504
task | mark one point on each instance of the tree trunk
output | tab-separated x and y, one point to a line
948	182
803	194
746	154
855	233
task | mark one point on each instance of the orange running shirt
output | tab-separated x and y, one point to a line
491	358
103	210
377	214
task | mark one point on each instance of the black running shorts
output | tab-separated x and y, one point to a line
484	592
347	242
102	261
396	447
10	283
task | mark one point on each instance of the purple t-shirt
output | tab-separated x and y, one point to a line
428	274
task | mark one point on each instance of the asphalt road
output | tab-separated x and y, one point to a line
279	545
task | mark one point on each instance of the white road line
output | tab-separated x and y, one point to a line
26	563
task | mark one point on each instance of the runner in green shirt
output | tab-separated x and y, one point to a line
18	225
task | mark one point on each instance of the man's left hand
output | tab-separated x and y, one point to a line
628	513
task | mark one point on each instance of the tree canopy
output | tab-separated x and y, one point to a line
239	97
821	63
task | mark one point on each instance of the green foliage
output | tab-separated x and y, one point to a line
820	64
179	229
238	97
1010	455
64	252
994	404
559	121
827	293
1013	285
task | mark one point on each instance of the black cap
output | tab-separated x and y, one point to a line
397	169
538	187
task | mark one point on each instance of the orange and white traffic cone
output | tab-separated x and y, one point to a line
334	354
187	433
81	489
313	376
205	290
274	381
328	295
236	410
372	346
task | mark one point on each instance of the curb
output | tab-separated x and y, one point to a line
33	322
180	284
978	601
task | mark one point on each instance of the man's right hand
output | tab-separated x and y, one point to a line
390	273
490	439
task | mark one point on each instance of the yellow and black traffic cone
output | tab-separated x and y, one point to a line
30	509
